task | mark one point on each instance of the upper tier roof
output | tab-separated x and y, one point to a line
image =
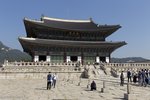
74	25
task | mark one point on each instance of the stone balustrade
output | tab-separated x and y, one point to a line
45	67
38	64
128	65
38	70
116	68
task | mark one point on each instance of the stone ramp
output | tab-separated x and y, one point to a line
94	71
101	72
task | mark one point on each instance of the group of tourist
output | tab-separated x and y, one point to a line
141	77
51	80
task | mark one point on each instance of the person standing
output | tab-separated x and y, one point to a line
129	76
135	78
121	79
49	81
143	78
139	77
54	79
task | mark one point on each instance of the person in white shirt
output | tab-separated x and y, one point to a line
54	80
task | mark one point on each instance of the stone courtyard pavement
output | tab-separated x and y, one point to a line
35	89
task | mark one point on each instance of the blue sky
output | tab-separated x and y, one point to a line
132	15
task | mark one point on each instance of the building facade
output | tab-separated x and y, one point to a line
60	40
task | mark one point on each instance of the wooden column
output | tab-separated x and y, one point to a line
82	58
64	57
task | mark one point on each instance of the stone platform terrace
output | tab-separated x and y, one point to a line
29	83
35	89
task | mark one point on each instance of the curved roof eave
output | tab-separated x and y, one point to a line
96	27
68	42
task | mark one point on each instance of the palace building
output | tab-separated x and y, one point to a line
60	40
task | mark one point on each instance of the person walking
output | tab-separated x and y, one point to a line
122	79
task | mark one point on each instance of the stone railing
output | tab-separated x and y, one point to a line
128	65
37	64
38	70
116	68
39	67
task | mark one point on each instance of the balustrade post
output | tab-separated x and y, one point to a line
128	88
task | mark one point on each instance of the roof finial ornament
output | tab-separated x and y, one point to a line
42	15
91	19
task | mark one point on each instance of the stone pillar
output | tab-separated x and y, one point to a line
68	59
103	89
36	58
48	58
132	96
103	84
128	88
97	59
79	82
79	59
107	59
88	85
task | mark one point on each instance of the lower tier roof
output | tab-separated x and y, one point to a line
28	43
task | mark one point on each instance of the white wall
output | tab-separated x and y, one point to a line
79	58
68	59
107	59
48	58
36	58
97	59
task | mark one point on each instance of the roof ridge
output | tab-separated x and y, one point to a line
66	20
